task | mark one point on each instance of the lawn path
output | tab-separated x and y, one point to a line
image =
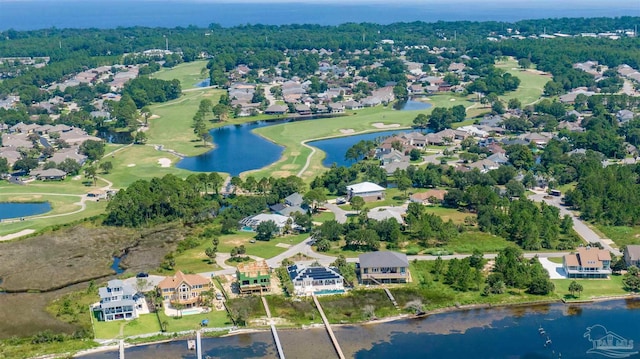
306	165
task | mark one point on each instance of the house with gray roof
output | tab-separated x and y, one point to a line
632	255
118	300
51	174
294	199
383	267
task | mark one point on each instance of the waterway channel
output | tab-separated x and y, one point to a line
542	331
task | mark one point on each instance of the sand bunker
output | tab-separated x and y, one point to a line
347	130
131	165
382	125
164	162
153	117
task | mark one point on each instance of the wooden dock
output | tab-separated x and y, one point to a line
336	345
274	332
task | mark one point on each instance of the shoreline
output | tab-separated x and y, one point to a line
390	319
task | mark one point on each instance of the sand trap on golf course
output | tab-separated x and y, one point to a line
347	130
164	162
382	125
131	165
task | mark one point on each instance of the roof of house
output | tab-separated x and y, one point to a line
383	259
587	257
179	278
105	292
254	269
288	211
634	251
280	220
384	214
51	172
364	187
278	207
294	199
299	272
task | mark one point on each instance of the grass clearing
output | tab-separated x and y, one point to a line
621	235
145	165
593	288
146	323
350	307
471	240
299	312
323	216
531	83
188	73
217	319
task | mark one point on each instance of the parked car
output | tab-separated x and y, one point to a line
142	275
341	200
218	296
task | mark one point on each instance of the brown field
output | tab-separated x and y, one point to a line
37	270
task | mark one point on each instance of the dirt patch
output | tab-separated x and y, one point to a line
153	117
78	255
382	125
289	167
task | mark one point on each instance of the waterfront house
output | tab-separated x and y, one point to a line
367	190
254	277
383	267
587	262
632	255
315	280
118	300
184	289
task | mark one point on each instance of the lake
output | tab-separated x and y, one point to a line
413	105
335	148
508	332
17	210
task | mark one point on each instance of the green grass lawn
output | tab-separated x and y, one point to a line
323	216
531	83
194	260
146	323
188	73
557	260
621	235
140	162
173	126
469	241
217	319
593	288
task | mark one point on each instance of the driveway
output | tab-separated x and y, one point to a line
555	269
341	214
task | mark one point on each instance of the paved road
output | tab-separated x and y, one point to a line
341	214
578	225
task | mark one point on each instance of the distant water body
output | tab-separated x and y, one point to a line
38	14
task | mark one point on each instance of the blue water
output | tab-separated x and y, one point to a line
412	105
18	210
511	332
237	149
335	148
203	83
116	264
37	14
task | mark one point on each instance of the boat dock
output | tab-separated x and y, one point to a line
336	345
276	338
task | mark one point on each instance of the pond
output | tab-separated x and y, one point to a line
542	331
335	148
412	105
18	210
203	83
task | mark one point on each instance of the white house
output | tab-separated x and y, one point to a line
253	221
367	190
315	280
118	300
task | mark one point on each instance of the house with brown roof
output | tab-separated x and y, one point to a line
184	289
587	262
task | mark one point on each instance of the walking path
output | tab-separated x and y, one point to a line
306	165
276	338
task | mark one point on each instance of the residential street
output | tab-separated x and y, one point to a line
578	225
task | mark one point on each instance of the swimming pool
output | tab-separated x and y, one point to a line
247	229
190	311
329	291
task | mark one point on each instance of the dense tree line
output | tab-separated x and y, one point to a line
144	91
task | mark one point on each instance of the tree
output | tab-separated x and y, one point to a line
314	197
70	166
94	150
4	165
140	138
514	103
266	230
106	167
631	280
25	164
421	120
211	253
520	156
90	173
524	62
575	287
357	203
404	183
619	265
415	154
